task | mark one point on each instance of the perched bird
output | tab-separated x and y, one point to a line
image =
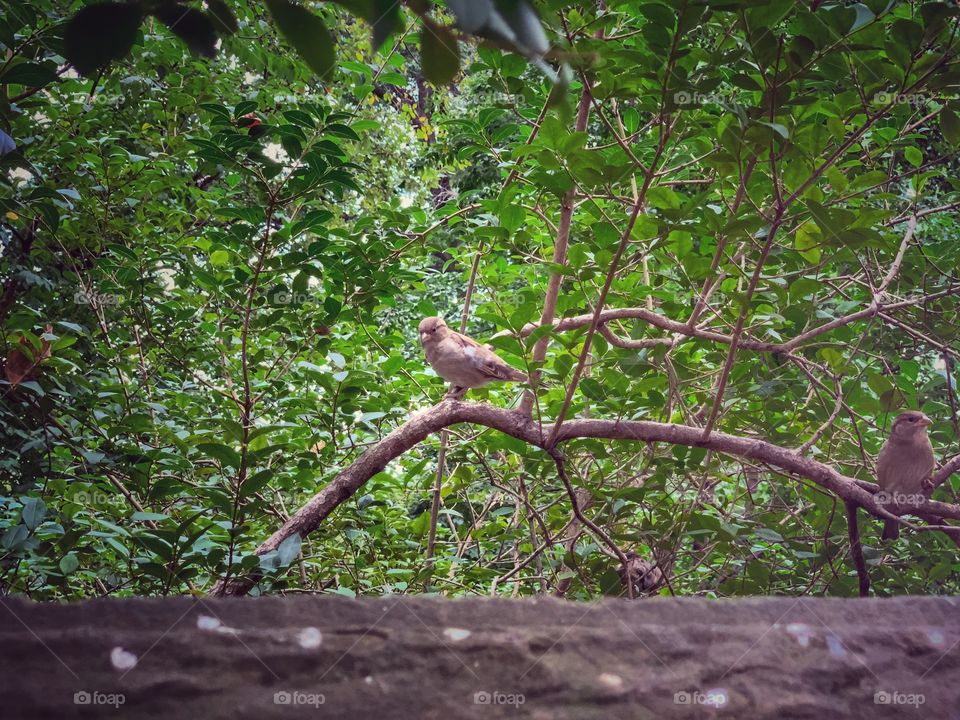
905	464
462	362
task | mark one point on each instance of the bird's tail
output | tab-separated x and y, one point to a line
891	530
518	376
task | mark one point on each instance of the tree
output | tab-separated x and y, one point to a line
726	271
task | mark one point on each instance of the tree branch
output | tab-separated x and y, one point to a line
948	469
670	325
856	550
559	259
515	424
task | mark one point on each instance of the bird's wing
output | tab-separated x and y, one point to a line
464	341
487	362
884	466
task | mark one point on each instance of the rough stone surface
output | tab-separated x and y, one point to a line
416	657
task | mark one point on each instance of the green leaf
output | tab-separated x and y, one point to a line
679	243
386	20
218	451
950	126
191	26
663	198
778	128
157	545
307	33
34	510
439	53
69	563
219	258
148	516
256	482
891	400
913	156
864	16
100	33
14	536
907	33
512	217
420	526
769	535
807	242
30	74
224	21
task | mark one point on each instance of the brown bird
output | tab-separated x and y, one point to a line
461	361
905	464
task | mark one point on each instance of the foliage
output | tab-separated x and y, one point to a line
106	31
212	270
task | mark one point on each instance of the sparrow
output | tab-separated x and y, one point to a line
905	464
462	361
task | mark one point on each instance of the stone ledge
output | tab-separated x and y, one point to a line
421	657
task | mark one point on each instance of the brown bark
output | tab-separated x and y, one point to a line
515	424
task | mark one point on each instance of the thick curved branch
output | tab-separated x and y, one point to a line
350	479
451	412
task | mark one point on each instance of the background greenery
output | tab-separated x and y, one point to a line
213	270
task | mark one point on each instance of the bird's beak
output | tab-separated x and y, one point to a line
925	421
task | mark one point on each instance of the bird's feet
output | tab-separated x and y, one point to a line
928	485
455	393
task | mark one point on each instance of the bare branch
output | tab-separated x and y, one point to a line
664	323
898	260
594	528
856	550
559	259
948	469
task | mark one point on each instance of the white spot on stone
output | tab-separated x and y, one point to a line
212	624
835	647
310	638
610	680
936	636
456	634
205	622
122	660
801	632
368	679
